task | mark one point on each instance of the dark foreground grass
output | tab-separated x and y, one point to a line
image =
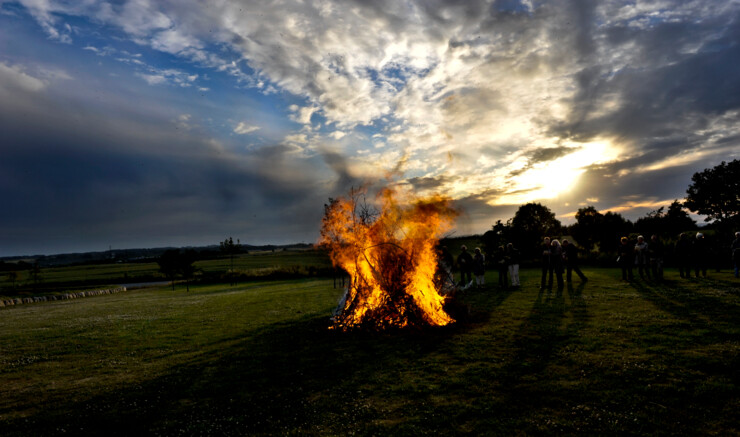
604	358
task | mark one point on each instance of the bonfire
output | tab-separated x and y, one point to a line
390	254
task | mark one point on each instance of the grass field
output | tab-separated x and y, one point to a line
85	276
598	358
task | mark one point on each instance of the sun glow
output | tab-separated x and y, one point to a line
546	180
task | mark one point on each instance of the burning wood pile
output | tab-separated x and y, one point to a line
390	255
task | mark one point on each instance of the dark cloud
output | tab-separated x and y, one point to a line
345	178
478	214
430	183
665	91
87	156
74	180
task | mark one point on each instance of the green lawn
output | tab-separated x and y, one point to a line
598	358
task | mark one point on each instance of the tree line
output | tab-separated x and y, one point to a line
714	193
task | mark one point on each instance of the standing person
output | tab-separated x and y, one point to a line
512	254
479	268
699	255
641	257
465	262
499	258
735	250
570	254
625	258
546	264
683	255
556	261
656	252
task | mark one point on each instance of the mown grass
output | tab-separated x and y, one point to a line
604	357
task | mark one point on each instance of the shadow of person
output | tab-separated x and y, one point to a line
578	304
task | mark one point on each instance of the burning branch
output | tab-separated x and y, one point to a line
390	257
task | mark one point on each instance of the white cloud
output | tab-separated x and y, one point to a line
296	138
153	79
13	77
460	89
337	134
173	41
302	115
156	76
243	128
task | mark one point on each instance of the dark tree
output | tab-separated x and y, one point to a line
531	223
499	235
613	227
12	277
169	265
665	224
228	247
651	224
715	192
186	267
677	220
35	274
587	226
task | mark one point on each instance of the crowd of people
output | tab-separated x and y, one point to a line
558	259
648	257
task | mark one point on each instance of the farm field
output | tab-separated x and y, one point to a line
601	357
92	275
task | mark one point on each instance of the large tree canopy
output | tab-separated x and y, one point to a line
531	223
715	192
586	228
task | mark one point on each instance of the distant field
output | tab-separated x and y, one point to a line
604	357
86	276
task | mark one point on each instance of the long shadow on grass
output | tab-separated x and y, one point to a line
293	377
540	337
700	310
703	380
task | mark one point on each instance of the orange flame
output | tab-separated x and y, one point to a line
390	256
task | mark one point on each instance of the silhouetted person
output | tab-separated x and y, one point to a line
514	258
625	259
479	268
735	251
683	255
546	264
699	255
656	252
641	257
465	262
502	266
556	261
570	254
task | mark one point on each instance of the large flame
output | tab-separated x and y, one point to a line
390	255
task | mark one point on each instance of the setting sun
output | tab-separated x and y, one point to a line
549	179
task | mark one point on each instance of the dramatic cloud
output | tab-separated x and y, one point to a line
494	103
243	128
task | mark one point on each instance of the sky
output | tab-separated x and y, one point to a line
149	123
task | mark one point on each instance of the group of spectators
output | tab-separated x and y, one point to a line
556	258
473	267
690	255
646	257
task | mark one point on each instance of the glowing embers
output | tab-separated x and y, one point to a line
390	256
